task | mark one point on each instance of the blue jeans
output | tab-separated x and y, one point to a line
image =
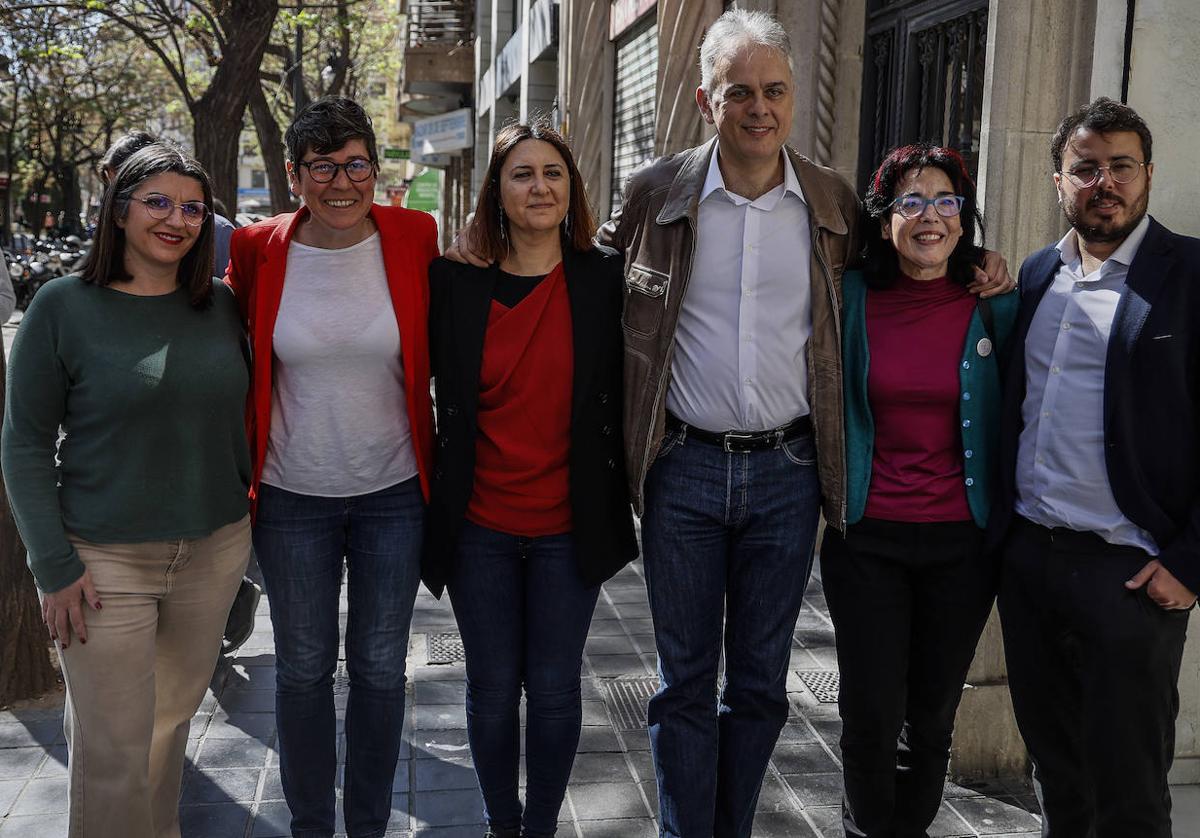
727	541
303	542
523	613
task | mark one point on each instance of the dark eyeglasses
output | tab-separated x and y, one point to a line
161	207
911	206
1121	170
323	171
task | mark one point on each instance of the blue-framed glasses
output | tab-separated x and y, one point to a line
911	206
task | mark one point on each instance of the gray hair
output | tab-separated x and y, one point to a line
738	28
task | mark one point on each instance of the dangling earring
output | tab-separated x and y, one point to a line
566	224
503	232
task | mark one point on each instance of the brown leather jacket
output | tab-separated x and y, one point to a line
656	230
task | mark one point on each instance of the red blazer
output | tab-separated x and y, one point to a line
258	261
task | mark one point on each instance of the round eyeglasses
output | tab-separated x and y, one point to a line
323	171
911	206
1121	170
161	207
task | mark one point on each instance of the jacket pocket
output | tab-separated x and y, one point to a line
645	299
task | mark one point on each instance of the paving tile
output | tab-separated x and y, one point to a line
34	826
447	832
55	764
272	821
816	789
597	739
775	796
212	820
948	824
601	768
440	717
595	713
440	744
782	825
447	808
607	628
445	774
623	828
643	764
42	797
828	820
247	701
601	801
272	786
259	726
624	593
808	758
9	789
609	645
28	734
221	785
440	692
231	753
796	733
993	817
20	763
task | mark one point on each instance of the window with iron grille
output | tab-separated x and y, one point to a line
923	71
634	104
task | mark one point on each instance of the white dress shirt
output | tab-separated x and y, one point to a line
745	320
1062	478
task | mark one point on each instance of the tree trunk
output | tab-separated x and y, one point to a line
25	670
217	115
270	141
68	179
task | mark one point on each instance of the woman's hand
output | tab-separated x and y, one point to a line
992	278
462	249
62	610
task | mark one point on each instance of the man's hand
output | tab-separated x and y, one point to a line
1166	591
992	278
462	249
62	610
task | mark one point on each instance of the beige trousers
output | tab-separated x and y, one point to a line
133	688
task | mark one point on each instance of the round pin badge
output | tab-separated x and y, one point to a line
984	347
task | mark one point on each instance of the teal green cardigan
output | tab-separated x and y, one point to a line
979	407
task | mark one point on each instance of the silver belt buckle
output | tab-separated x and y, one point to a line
733	437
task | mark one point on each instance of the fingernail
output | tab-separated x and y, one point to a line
99	605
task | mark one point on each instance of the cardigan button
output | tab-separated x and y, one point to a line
966	397
451	410
968	453
966	365
443	442
603	397
970	481
606	430
966	423
612	463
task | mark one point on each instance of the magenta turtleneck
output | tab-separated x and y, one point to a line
915	335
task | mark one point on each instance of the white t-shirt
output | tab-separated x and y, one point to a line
339	419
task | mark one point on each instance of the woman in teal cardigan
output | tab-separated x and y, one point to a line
908	584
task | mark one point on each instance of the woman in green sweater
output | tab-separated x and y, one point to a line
136	519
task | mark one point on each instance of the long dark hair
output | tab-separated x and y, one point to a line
487	236
105	262
882	264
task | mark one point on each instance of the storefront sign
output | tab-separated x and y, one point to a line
425	191
444	133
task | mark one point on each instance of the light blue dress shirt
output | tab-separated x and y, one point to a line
1062	479
744	323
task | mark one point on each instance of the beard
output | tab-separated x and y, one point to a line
1106	231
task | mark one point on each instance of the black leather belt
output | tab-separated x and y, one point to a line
741	442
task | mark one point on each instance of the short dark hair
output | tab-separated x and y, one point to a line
328	124
1103	116
121	150
105	262
882	263
486	228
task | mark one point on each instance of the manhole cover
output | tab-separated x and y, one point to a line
822	683
626	699
445	647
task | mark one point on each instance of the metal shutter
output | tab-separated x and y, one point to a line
633	109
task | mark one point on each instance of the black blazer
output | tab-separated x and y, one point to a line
1151	396
602	520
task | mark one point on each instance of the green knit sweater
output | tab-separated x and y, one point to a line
149	394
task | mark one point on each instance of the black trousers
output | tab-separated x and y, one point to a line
1093	668
908	603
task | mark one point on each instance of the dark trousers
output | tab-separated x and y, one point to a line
304	545
523	612
1093	668
908	603
727	540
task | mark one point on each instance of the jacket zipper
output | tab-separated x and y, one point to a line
662	381
837	331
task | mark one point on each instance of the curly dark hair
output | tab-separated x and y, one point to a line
1102	116
882	264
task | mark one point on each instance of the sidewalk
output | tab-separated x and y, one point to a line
232	787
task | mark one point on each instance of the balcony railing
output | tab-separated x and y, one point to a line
440	22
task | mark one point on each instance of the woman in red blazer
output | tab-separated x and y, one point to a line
335	298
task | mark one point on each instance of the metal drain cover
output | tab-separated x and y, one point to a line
822	683
626	699
444	647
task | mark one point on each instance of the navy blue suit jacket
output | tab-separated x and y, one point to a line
1151	396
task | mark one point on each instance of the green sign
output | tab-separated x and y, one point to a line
425	191
396	154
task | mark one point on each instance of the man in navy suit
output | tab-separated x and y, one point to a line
1100	507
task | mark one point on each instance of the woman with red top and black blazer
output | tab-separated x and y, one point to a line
340	420
529	510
